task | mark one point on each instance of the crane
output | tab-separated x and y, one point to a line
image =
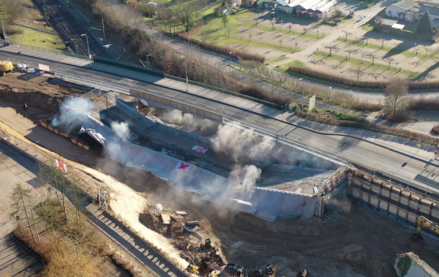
424	222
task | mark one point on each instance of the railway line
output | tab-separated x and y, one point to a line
70	29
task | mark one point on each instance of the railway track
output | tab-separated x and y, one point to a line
70	29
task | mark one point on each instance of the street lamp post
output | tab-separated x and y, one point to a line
329	95
303	100
88	45
187	80
230	55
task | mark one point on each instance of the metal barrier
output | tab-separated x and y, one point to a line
46	50
178	105
276	106
106	86
130	66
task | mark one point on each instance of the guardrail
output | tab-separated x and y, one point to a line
181	106
229	92
46	50
130	66
106	86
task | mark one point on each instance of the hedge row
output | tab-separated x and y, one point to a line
377	128
222	49
353	82
425	104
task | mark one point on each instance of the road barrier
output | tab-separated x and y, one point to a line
50	51
178	105
130	66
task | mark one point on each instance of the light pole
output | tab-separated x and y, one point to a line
303	100
221	107
88	46
281	25
187	80
329	95
147	59
4	33
230	55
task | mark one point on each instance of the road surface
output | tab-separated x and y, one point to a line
397	158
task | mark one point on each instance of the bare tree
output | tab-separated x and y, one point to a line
330	49
349	52
426	48
382	43
346	33
20	207
272	24
389	60
250	36
396	93
289	27
280	41
13	10
225	20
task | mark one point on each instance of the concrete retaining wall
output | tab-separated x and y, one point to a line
390	199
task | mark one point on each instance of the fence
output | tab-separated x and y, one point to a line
50	51
178	105
130	66
391	200
276	106
106	86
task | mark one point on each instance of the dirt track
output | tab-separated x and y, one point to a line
358	243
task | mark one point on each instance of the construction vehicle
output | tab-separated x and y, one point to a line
5	66
424	222
193	269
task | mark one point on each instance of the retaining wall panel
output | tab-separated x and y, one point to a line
435	212
394	196
374	200
376	188
355	192
383	205
402	213
385	192
412	217
414	204
424	209
365	197
393	209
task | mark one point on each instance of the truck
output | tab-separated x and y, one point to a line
5	66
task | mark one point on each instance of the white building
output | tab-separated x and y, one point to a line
405	10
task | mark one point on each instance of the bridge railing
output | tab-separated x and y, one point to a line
46	50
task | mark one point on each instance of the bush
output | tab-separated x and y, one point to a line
367	107
424	104
13	31
435	130
377	128
349	82
261	93
222	49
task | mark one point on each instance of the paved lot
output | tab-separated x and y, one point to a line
15	260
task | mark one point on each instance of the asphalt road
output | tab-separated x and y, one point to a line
405	166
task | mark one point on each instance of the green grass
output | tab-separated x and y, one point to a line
36	38
209	11
238	68
273	61
284	67
369	25
368	64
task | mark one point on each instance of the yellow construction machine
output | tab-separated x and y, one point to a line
5	66
423	222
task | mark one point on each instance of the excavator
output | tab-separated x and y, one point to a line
424	222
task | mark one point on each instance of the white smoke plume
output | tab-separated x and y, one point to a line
243	179
177	117
121	129
243	145
73	111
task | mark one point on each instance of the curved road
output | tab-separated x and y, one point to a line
395	157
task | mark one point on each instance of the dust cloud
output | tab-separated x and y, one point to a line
121	129
177	117
243	145
73	111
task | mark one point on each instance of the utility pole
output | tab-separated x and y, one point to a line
4	33
103	29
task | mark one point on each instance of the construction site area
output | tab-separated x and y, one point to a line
214	196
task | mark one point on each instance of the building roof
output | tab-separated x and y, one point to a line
405	5
308	4
430	9
326	6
